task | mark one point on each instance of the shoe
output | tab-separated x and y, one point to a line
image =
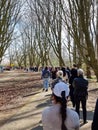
43	89
46	90
85	122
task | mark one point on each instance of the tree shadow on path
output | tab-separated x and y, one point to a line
37	128
89	117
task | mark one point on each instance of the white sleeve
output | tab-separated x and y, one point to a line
73	120
45	119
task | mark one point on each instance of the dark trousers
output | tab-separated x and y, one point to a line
83	103
72	96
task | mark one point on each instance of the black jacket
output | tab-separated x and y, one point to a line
80	87
95	118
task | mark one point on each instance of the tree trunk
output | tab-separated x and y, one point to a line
88	72
61	61
95	68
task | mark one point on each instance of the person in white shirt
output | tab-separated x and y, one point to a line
58	116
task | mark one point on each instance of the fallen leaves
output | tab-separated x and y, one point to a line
15	85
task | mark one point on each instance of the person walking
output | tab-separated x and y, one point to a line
53	73
46	77
72	77
68	74
80	93
94	125
59	116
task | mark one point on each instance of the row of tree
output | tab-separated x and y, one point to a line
9	16
65	30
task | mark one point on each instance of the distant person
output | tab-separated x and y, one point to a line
80	93
53	73
68	74
58	116
95	118
73	75
46	77
65	73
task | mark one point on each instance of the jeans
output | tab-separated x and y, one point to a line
46	83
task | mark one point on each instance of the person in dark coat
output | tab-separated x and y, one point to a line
95	118
73	75
80	85
53	73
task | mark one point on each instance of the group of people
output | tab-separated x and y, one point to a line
75	86
52	73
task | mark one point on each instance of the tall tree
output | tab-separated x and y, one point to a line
9	16
49	15
80	21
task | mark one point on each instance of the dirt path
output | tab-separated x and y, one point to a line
14	85
28	115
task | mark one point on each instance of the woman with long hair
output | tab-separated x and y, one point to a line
58	116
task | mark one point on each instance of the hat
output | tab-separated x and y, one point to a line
59	88
60	73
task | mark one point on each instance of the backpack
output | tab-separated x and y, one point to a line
80	91
46	74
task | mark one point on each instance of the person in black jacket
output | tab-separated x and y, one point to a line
72	77
95	118
80	93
